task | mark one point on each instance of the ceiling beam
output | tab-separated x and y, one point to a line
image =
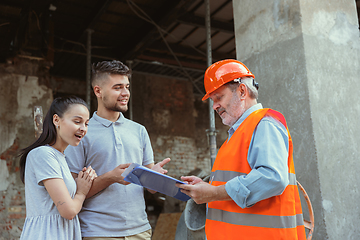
93	17
224	43
99	8
171	61
155	63
178	49
181	50
221	7
153	34
187	35
72	4
150	7
34	5
193	20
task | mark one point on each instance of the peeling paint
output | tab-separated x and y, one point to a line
4	174
274	21
343	32
19	94
328	206
29	91
280	13
7	136
321	24
161	117
334	26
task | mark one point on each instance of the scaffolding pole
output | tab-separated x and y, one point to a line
88	67
212	131
129	63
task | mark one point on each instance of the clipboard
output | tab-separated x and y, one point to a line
153	180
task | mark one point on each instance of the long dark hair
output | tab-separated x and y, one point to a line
59	106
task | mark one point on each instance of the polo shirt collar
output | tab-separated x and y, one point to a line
107	123
243	117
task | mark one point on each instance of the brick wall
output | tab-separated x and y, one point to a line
20	91
12	202
185	155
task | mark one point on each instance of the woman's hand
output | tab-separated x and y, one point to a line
92	173
84	180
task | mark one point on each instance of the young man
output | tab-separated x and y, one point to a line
252	192
113	208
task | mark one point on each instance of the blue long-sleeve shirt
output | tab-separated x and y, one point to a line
267	157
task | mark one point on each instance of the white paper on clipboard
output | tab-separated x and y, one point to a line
153	180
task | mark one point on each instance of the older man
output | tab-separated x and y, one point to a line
252	192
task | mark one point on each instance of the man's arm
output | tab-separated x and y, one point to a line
106	179
269	175
267	157
202	192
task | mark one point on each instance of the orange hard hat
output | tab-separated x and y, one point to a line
222	72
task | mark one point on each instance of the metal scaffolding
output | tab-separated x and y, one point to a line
88	67
211	132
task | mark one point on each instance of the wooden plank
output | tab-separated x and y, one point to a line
166	226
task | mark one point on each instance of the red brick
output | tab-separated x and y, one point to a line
16	216
11	152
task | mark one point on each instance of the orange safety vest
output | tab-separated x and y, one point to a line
278	217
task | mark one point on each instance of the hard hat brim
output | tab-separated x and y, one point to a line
205	97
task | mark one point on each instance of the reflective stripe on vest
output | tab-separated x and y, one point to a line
265	221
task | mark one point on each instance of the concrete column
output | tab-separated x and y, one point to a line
305	55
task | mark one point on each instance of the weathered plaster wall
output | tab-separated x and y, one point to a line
18	96
305	55
261	24
332	53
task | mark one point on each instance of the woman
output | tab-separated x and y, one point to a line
53	198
